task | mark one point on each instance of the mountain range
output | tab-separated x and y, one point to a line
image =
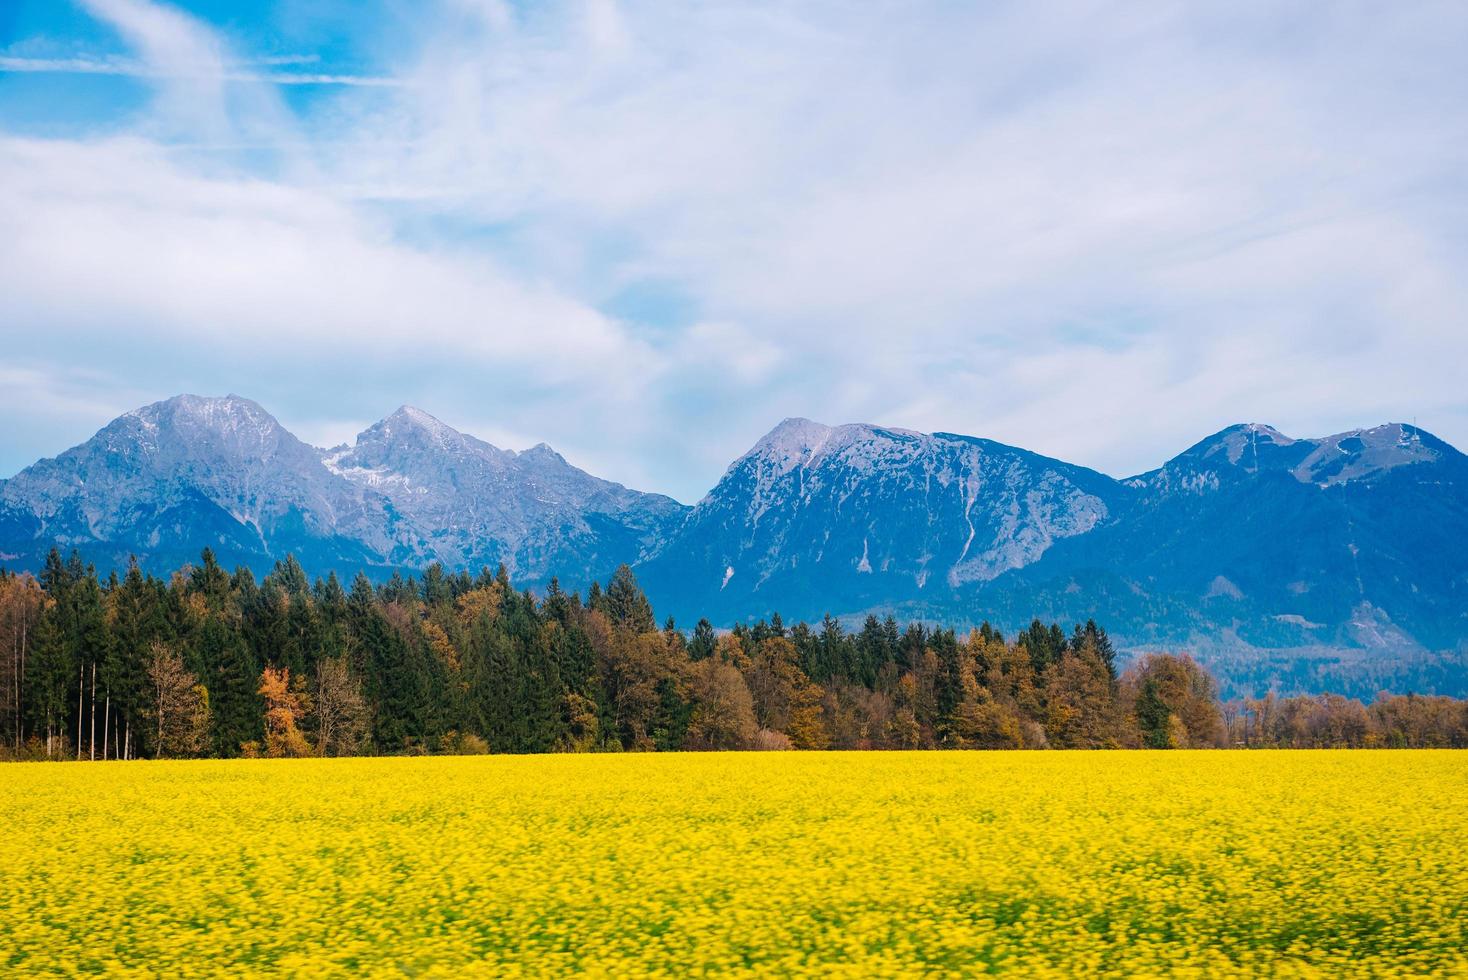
1336	562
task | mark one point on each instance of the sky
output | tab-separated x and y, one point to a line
645	233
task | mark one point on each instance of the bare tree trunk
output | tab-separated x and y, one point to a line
20	681
106	721
81	693
158	742
92	734
15	673
127	740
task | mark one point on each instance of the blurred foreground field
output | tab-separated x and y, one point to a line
1183	863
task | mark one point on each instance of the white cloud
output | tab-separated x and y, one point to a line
1099	234
116	232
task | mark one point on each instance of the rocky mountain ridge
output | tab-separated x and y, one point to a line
1250	543
170	478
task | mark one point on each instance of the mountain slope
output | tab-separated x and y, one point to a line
1253	547
168	479
459	500
1348	546
1353	539
818	518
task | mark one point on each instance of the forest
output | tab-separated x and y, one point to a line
213	663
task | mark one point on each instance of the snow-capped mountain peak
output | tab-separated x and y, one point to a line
166	479
867	509
192	417
793	440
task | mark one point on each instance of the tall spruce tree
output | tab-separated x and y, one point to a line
626	605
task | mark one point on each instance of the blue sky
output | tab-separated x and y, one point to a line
645	233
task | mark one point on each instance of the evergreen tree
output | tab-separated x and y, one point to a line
871	651
51	676
557	604
1044	644
701	646
138	620
437	589
232	678
210	581
948	684
626	605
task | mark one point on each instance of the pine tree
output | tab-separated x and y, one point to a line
871	651
232	680
701	646
557	604
51	678
393	687
626	605
210	581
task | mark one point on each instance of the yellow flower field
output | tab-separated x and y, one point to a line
1204	864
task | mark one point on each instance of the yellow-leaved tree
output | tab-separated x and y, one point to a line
284	707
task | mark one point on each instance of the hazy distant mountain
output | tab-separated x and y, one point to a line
168	479
1296	561
1351	545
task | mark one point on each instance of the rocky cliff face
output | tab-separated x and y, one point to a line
838	518
456	499
168	479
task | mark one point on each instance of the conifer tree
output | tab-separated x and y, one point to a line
626	605
232	680
51	678
701	646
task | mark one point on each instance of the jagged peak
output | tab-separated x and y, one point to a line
417	416
542	451
1346	456
1240	442
800	436
1263	429
414	424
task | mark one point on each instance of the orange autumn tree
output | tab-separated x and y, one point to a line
284	707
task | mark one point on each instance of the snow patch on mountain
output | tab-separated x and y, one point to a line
1364	453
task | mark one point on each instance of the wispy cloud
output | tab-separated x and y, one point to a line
1100	235
240	73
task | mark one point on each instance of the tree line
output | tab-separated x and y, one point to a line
215	663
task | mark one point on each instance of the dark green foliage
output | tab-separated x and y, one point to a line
52	674
702	645
626	605
1044	644
450	656
231	674
1096	638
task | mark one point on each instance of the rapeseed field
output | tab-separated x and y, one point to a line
1206	864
